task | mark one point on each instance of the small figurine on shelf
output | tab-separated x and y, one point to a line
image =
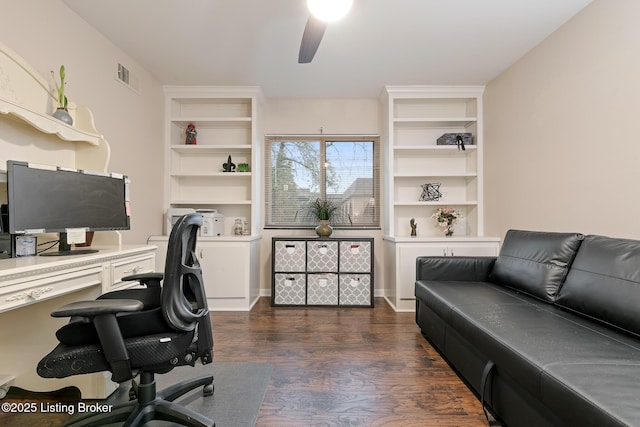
229	166
414	226
191	134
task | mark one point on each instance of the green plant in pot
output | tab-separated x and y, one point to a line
61	112
323	210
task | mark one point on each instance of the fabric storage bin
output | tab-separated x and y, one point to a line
290	255
322	289
290	289
355	289
322	256
355	256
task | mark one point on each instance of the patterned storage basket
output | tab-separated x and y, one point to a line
290	289
322	289
290	255
355	256
322	256
355	289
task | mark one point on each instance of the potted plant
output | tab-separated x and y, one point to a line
61	112
322	210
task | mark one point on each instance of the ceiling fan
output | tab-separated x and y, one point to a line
321	13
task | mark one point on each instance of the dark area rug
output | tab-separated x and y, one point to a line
239	391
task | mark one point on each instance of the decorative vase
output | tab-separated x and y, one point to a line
448	230
324	229
63	115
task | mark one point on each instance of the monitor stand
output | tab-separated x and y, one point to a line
64	249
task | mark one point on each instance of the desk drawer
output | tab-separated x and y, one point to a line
127	267
44	286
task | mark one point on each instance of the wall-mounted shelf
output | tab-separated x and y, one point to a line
48	124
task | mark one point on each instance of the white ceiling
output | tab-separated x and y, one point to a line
256	42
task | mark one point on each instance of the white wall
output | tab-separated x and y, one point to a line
308	116
561	148
46	33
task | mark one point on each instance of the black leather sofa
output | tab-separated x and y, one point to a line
547	333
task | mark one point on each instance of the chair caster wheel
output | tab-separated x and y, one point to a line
208	390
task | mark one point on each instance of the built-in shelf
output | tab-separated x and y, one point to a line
230	175
415	118
439	203
433	147
441	175
189	202
438	122
210	148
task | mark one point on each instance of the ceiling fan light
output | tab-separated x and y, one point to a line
329	10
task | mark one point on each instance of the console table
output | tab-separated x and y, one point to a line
322	272
32	287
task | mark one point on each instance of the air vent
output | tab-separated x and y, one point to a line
127	79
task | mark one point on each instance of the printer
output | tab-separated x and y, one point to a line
212	220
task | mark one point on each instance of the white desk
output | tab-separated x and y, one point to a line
32	287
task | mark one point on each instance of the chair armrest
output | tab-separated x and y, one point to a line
103	315
454	268
98	308
150	280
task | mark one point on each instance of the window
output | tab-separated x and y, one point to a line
344	170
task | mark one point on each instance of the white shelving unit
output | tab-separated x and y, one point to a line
227	124
414	118
226	119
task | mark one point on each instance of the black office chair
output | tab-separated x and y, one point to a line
142	331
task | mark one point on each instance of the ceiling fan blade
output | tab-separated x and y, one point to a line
313	32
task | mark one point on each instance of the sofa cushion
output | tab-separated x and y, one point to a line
604	282
606	396
534	262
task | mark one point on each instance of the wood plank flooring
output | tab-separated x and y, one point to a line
345	367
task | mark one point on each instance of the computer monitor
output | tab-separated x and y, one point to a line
49	199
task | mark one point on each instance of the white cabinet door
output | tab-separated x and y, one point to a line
225	268
408	252
472	249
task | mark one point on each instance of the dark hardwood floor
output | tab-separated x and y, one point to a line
345	367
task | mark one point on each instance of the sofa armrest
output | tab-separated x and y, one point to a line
454	268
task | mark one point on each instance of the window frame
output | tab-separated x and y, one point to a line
270	140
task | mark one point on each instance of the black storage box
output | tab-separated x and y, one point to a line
452	139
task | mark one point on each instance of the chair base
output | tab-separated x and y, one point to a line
150	405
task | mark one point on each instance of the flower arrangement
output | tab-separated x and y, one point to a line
447	218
